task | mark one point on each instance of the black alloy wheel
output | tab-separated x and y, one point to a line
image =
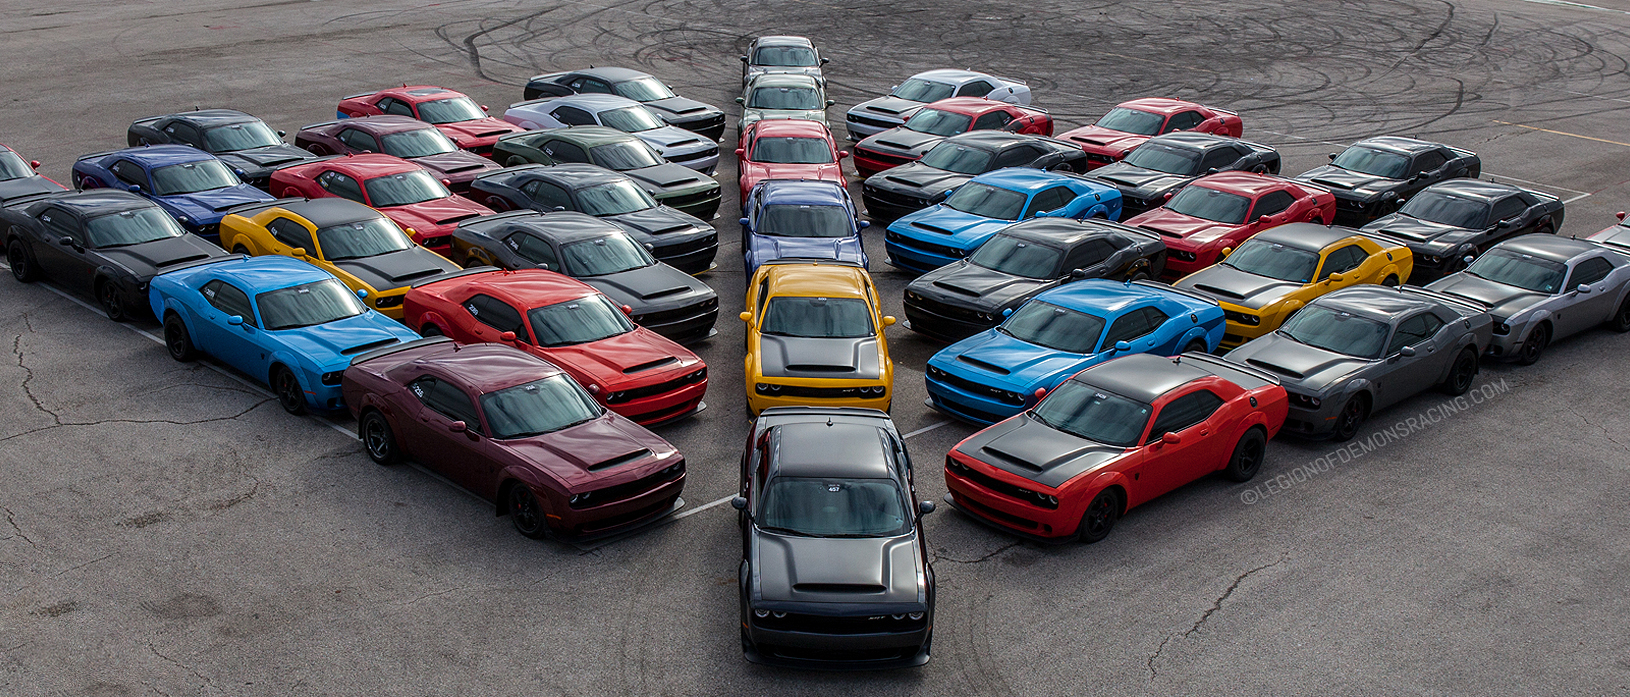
107	295
1100	517
1621	319
1462	373
525	513
378	439
22	265
177	340
1538	338
1247	457
1352	416
287	388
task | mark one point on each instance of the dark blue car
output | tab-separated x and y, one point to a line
787	219
190	184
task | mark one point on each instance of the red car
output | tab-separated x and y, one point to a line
514	430
398	136
941	120
1069	467
630	369
406	193
1219	211
458	116
1129	124
788	149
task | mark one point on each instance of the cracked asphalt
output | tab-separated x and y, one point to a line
168	531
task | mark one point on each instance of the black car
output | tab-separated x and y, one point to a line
1155	170
917	185
683	241
108	243
644	88
669	183
664	299
962	299
19	178
242	141
1447	223
834	567
1371	178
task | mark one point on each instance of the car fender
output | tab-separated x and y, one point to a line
1195	332
1106	480
519	475
1353	387
294	361
1535	317
433	317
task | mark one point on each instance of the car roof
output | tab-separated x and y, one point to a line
782	40
1057	232
595	101
1548	246
161	155
1474	188
1376	302
6	148
97	201
1103	297
1023	178
269	272
966	105
587	136
323	212
422	92
816	280
1398	143
489	367
791	128
1192	139
384	123
573	175
830	448
783	80
793	191
951	75
527	288
561	226
1311	236
1249	183
1143	377
367	165
989	139
612	73
214	117
1159	105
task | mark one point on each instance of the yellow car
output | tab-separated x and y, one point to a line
1277	271
356	243
815	337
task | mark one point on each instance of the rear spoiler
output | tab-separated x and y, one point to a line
404	346
1460	152
202	262
1221	110
320	123
1302	183
1123	227
529	102
454	274
30	198
1180	291
1380	238
495	217
811	260
105	153
1476	306
248	209
147	120
312	161
1615	246
359	94
510	170
1216	365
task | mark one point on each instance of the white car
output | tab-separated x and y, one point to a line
904	99
676	144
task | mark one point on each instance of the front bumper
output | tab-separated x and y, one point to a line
823	651
703	160
965	405
708	125
862	126
943	321
869	162
692	254
1505	347
658	402
1009	514
759	402
911	254
883	204
1182	262
703	203
1425	271
392	300
582	524
1313	422
687	324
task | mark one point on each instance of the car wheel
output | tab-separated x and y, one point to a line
1350	417
515	162
473	261
287	388
292	192
1619	323
1390	282
1139	275
1546	229
22	265
240	249
378	439
430	330
1538	339
177	340
1247	458
86	182
1100	517
107	295
1197	346
525	513
1259	169
1461	374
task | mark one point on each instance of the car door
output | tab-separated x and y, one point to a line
64	263
533	249
433	442
359	141
288	236
235	345
1221	158
341	185
562	151
546	197
493	317
1407	375
1048	200
1092	257
1508	219
1198	450
1426	169
1271	203
1183	121
129	174
1344	260
1587	309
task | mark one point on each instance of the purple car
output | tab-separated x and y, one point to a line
407	138
798	219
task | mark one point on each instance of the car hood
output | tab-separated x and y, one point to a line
260	159
1143	183
1100	139
145	260
756	70
836	570
1415	229
396	269
605	360
985	355
656	220
24	186
208	206
1171	224
919	178
754	172
835	359
751	115
765	248
670	178
457	162
680	106
438	214
1348	183
943	225
970	285
888	107
1235	287
332	345
1503	300
672	137
651	286
1028	448
478	128
1297	365
901	140
570	452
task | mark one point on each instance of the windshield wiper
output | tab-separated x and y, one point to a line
786	531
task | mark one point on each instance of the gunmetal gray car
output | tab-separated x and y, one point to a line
1358	350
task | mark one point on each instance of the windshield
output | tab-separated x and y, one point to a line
1521	270
130	227
13	167
1274	260
920	90
623	156
797	220
361	239
403	189
987	201
1058	328
1446	209
1165	158
799	98
785	57
1210	204
192	177
578	321
817	318
1083	410
958	158
1018	257
307	305
939	123
1334	330
1375	163
615	198
451	110
240	136
606	255
420	143
631	119
538	407
643	89
792	151
1132	121
823	507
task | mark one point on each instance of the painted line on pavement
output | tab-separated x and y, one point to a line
1562	133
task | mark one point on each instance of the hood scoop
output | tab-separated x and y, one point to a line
1009	457
884	110
368	346
898	180
678	143
456	218
1163	232
658	363
1401	233
932	228
955	289
181	260
1216	290
1088	141
663	293
671	228
498	132
465	168
999	370
893	144
1331	182
1122	182
838	588
1274	368
674	182
619	460
815	368
413	276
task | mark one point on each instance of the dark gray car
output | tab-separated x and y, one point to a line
1447	222
1371	178
641	87
1358	350
242	141
1153	171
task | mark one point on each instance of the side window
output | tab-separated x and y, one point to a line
1183	412
1220	158
227	298
1343	260
1051	199
446	399
1089	254
1130	326
341	186
546	196
393	106
1431	324
59	224
1017	156
991	121
592	86
291	233
128	173
763	296
184	134
1509	207
495	313
1429	161
1272	203
572	116
1410	332
977	88
358	140
1183	121
534	250
1154	317
562	151
1589	271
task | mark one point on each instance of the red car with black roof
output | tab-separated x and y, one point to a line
454	113
1220	211
406	193
941	120
397	136
788	149
1131	123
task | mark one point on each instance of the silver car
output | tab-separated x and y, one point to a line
907	98
676	144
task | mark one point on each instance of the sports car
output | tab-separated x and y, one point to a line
676	144
1219	211
356	243
281	321
974	294
951	163
683	241
945	232
1356	351
644	88
934	123
1448	223
1155	170
903	100
788	149
107	243
781	55
405	192
1000	372
516	431
1278	271
670	184
1073	465
800	219
1371	178
1133	123
1541	288
242	141
190	184
815	337
835	571
454	114
778	96
664	299
19	178
397	136
629	369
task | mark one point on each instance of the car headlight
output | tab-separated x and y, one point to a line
332	378
915	615
767	388
388	301
1304	401
1502	328
1242	318
760	613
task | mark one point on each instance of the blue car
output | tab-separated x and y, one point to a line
276	319
190	184
787	219
972	213
993	375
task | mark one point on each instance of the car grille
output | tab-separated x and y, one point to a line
688	200
209	230
821	624
890	160
1242	318
679	313
971	387
1181	255
890	198
805	392
868	121
1100	158
1003	516
1349	204
712	127
929	247
610	494
701	242
927	304
986	481
687	157
664	387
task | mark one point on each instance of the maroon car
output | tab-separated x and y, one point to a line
515	430
407	138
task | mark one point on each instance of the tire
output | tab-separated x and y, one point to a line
1350	418
1259	169
524	512
22	263
378	439
1139	275
287	388
1621	319
177	340
240	249
84	182
1197	345
1534	346
1390	282
1247	457
1546	229
1461	374
1099	520
107	295
515	162
473	261
292	192
430	330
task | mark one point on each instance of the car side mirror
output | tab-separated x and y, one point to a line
1171	439
824	61
446	182
1407	351
739	503
299	252
362	293
235	320
507	337
1212	170
1078	273
484	108
746	316
743	221
1041	393
36	165
65	241
1167	197
1582	288
649	246
280	134
1504	224
1227	251
744	59
1336	277
1123	346
741	152
133	188
239	172
925	507
830	102
842	154
1619	215
458	427
627	310
741	100
1335	155
863	224
1468	258
888	320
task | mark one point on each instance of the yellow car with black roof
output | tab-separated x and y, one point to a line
815	337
